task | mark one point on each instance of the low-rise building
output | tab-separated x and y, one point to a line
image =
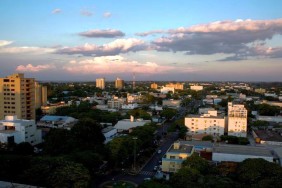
129	106
238	153
196	88
109	132
115	103
171	103
165	90
51	108
64	122
267	137
126	125
14	130
175	155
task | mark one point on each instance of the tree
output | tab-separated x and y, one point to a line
197	162
59	141
24	148
252	171
70	175
186	177
168	113
207	138
88	134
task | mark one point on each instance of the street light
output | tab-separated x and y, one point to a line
134	164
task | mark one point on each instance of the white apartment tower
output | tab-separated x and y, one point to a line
100	83
237	120
210	123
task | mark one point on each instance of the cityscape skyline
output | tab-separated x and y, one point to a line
179	40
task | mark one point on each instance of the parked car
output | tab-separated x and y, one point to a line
159	151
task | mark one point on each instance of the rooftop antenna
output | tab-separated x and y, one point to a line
133	82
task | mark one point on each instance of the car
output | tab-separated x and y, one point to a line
159	151
147	179
155	168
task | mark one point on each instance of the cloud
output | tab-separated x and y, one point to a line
117	65
5	43
56	11
26	49
228	37
31	68
144	34
104	33
107	15
113	48
86	13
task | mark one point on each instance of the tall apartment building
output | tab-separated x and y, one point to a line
100	83
17	96
40	95
209	123
119	83
237	120
178	86
154	86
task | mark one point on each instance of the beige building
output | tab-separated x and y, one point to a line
175	155
154	86
178	86
17	96
119	83
100	83
40	95
196	88
237	120
209	123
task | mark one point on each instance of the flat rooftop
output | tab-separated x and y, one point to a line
242	150
268	135
184	148
219	116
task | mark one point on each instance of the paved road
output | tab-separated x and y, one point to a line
148	170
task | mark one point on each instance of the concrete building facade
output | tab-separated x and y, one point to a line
100	83
209	123
237	120
175	155
119	83
17	96
14	130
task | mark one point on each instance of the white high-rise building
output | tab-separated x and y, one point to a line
237	120
210	123
100	83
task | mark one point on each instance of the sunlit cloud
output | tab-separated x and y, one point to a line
102	33
56	11
113	48
228	37
117	65
31	68
107	14
153	32
26	49
5	43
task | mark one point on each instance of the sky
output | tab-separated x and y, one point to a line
160	40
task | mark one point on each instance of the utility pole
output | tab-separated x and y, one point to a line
134	164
